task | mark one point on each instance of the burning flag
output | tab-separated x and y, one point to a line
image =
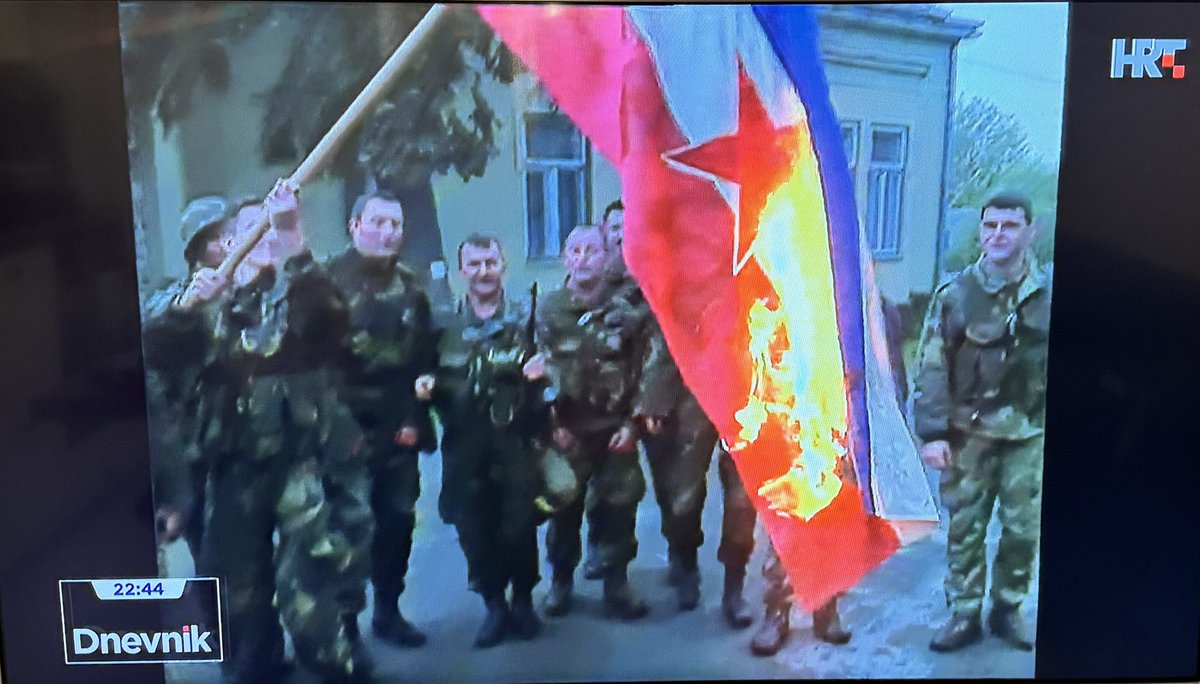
741	229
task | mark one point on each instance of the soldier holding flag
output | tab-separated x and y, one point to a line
280	433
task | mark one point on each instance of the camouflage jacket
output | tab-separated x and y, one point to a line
982	361
596	356
661	386
392	340
270	355
175	395
479	373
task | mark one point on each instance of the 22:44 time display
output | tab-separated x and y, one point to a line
131	589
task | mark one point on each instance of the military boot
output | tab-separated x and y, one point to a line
558	600
388	624
523	620
363	664
773	631
733	606
619	598
827	625
686	572
960	631
362	668
491	632
1006	622
675	569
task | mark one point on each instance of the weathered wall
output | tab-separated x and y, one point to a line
495	203
882	79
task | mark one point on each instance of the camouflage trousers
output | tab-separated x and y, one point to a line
590	479
488	488
250	499
378	510
679	458
983	471
777	594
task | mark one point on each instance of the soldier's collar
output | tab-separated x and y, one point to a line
381	263
1031	281
464	307
604	292
1036	278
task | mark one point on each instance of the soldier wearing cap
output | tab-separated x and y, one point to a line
282	448
174	398
978	405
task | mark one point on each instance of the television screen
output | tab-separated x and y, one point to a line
577	342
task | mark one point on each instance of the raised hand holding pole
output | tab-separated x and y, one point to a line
362	105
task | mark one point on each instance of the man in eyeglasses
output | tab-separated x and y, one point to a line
978	407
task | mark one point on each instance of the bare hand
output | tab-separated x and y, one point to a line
283	201
424	387
937	454
535	368
246	273
171	523
563	438
654	424
623	441
206	284
406	436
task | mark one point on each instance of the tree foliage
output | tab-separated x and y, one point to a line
991	152
169	49
436	119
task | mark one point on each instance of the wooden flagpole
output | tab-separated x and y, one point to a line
362	105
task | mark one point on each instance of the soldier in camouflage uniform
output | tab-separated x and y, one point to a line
279	440
489	478
592	338
827	623
173	395
392	344
679	444
978	405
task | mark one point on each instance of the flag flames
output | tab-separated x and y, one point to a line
798	389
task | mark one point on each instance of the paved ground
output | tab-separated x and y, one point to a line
892	612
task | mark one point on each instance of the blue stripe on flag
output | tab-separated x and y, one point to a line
792	32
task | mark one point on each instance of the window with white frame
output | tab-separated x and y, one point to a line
850	143
554	156
885	189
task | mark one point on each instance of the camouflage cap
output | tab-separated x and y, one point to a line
201	213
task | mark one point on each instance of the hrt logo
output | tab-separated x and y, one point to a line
1143	56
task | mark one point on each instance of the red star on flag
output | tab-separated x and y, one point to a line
758	157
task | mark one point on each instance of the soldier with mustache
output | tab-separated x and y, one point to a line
484	394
